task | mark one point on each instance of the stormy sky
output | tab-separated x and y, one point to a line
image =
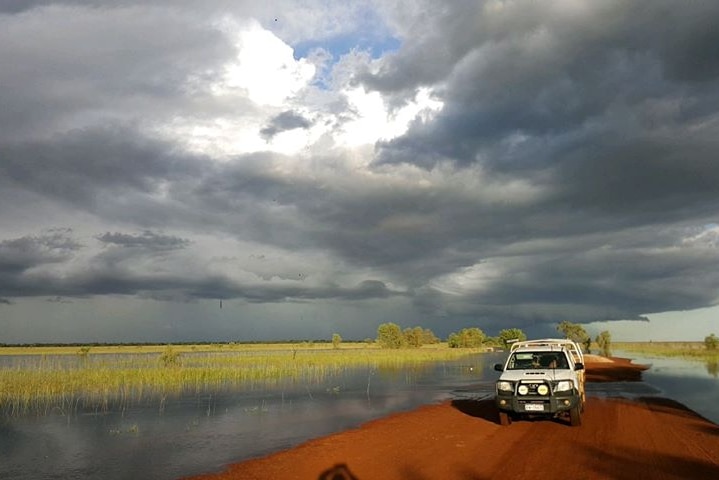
323	166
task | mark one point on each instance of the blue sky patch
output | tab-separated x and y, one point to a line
338	46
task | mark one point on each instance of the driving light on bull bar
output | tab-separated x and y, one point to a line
542	390
505	386
523	390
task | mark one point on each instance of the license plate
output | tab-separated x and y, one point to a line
534	407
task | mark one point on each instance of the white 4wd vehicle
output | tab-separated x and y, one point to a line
541	377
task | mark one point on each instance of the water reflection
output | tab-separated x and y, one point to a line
203	431
693	383
713	368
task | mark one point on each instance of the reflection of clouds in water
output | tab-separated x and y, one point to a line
197	432
621	389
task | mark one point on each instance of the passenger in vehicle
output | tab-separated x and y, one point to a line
557	361
535	361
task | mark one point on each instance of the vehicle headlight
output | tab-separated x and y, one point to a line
505	386
523	390
542	390
564	386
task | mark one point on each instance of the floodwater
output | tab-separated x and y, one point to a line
202	433
693	383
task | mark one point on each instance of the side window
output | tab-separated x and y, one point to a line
562	361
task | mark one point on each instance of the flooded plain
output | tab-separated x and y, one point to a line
202	432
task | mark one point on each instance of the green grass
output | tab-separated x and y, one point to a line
687	350
65	379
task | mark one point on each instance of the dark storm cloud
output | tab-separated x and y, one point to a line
16	6
19	254
88	167
550	39
283	122
75	67
222	288
545	72
58	299
551	255
608	108
613	285
570	174
147	240
123	272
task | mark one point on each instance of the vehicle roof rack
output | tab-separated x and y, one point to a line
570	345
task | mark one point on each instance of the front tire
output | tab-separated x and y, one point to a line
575	416
504	419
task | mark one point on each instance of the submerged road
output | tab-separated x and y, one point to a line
619	439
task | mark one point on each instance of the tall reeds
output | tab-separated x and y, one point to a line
687	350
62	381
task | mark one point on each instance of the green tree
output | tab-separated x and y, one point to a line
336	340
413	337
511	335
428	337
575	332
711	342
389	335
604	340
466	338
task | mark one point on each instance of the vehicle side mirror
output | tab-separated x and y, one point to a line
499	367
579	366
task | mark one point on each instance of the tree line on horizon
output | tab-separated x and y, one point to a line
391	335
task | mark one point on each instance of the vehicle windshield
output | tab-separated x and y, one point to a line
529	360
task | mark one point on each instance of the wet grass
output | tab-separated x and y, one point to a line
43	380
685	350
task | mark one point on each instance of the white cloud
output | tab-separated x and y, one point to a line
706	237
265	66
266	74
375	121
470	280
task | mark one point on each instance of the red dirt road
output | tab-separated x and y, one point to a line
649	438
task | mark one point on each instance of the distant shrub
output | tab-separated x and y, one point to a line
83	352
389	335
575	332
170	357
604	340
511	335
466	338
711	342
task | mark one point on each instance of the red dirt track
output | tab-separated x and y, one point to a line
648	438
